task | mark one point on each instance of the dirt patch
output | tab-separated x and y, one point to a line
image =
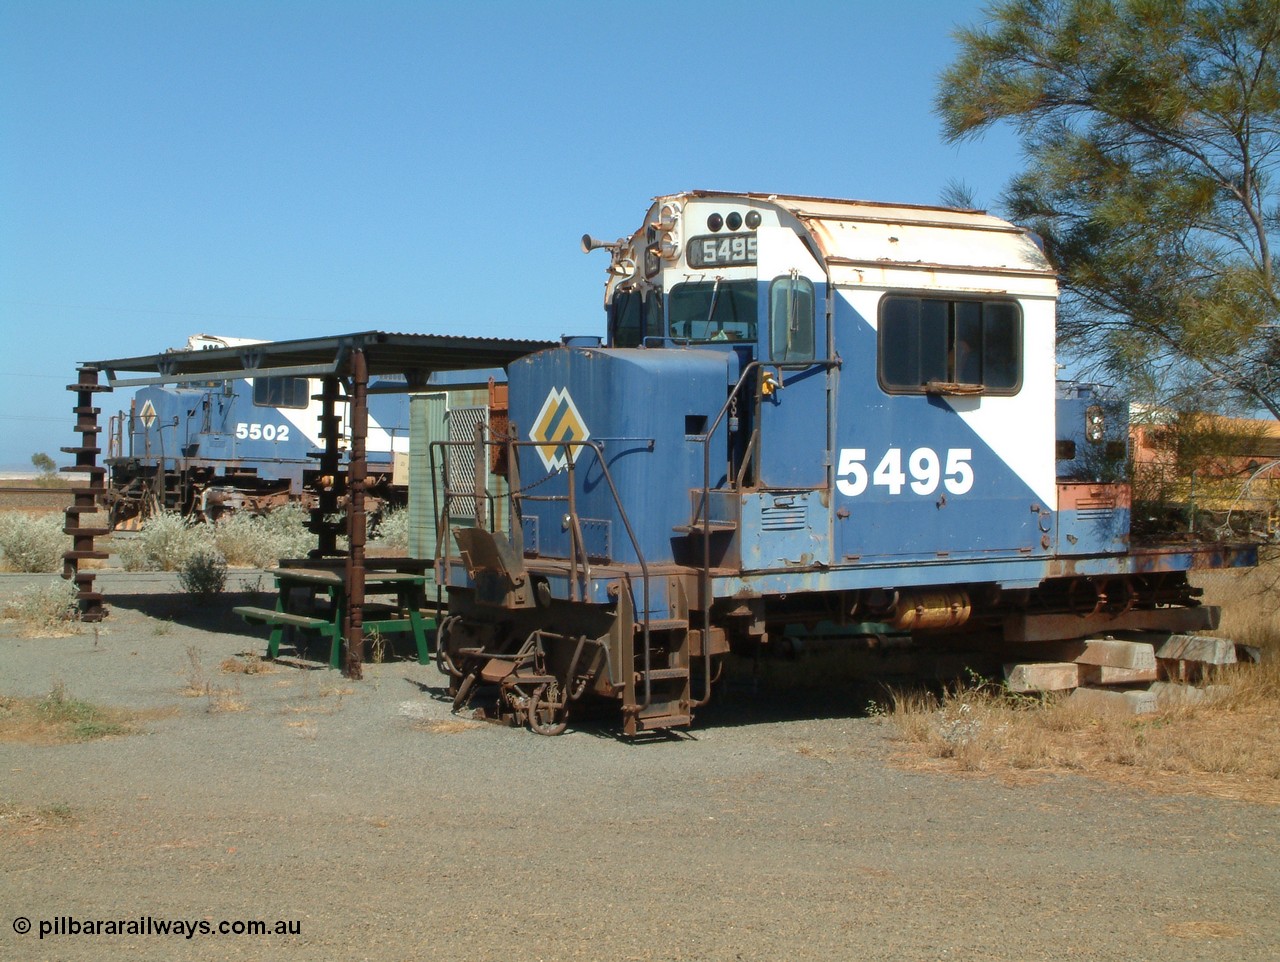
27	820
389	828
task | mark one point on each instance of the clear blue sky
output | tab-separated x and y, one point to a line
288	168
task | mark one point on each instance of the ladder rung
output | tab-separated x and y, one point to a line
662	624
715	527
667	674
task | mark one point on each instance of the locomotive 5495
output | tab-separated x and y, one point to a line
805	410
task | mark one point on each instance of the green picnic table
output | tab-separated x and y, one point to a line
315	599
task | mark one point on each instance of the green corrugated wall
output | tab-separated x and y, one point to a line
428	422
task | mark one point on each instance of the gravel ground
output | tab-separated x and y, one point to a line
366	815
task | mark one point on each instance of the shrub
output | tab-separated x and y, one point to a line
203	574
260	541
168	540
244	540
165	543
393	528
32	542
47	610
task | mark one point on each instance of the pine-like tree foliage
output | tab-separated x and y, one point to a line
1152	135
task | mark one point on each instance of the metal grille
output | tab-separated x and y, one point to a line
786	516
460	459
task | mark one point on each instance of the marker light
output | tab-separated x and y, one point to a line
733	221
753	219
715	222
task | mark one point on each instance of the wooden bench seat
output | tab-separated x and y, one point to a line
268	616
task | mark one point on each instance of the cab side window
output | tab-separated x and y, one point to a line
943	345
281	392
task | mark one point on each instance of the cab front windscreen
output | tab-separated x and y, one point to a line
713	310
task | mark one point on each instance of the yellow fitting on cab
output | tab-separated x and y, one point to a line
768	384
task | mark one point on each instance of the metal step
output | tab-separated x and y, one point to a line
647	723
662	624
714	526
666	674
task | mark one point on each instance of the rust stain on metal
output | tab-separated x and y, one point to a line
357	471
86	495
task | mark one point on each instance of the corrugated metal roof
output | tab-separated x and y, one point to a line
416	356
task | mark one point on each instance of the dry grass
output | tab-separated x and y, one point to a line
446	726
29	820
222	699
58	718
1203	930
247	663
1227	747
1250	600
306	728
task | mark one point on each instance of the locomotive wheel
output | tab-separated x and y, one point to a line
545	716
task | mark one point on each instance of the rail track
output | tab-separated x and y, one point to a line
33	497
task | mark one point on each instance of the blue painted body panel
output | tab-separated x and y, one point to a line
636	403
643	407
833	481
998	532
998	518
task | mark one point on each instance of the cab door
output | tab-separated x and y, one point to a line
792	394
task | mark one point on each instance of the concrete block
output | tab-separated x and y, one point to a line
1105	675
1114	653
1171	695
1043	676
1114	700
1199	648
1250	654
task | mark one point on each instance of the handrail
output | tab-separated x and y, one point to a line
579	559
598	450
704	576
